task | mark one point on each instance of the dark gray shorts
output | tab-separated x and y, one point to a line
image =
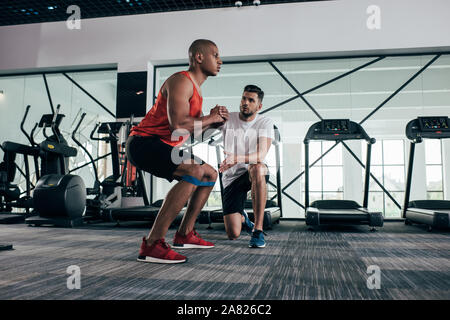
154	156
235	194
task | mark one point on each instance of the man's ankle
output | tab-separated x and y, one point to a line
183	232
150	241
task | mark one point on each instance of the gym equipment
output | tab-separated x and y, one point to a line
273	210
343	212
4	246
124	193
58	198
8	191
434	213
10	195
121	196
107	192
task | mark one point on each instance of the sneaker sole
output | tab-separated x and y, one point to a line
157	260
256	246
191	246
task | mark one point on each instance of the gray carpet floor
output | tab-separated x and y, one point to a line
297	264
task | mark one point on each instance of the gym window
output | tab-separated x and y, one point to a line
434	169
326	176
382	92
388	167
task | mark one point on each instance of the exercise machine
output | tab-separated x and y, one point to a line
125	190
273	209
433	213
5	246
10	193
59	198
107	193
339	212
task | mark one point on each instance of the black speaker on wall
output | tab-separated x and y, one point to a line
131	94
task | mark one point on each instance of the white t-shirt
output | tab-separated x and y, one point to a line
241	138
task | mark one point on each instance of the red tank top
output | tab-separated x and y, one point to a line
156	123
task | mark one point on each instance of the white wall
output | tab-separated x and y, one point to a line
312	29
268	30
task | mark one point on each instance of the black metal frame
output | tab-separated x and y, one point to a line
413	141
409	177
366	167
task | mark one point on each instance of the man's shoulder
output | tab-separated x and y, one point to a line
178	80
264	120
178	77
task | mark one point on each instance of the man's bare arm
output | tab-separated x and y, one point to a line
231	159
179	90
263	147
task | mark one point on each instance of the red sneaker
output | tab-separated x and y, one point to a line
159	252
191	240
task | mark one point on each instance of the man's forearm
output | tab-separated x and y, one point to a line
193	125
250	158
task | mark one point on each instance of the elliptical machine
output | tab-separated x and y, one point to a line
59	198
117	191
10	193
107	192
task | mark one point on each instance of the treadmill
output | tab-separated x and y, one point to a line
433	213
273	210
339	212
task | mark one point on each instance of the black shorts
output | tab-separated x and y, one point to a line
235	194
155	157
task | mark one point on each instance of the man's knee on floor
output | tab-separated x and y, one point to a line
232	235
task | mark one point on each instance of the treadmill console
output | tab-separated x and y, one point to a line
335	126
434	123
336	130
428	127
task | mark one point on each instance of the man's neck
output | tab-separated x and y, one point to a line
247	119
198	76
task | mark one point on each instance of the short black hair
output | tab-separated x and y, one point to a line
255	89
198	46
